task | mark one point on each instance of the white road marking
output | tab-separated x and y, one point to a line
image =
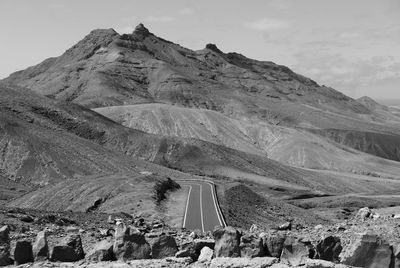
201	207
187	205
215	204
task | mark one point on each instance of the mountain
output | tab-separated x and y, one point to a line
114	106
107	69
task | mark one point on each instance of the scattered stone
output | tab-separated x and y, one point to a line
206	255
26	218
285	226
329	249
223	262
253	228
375	216
102	251
72	229
23	252
40	248
193	235
363	213
396	216
251	246
163	246
227	242
367	250
5	246
319	227
295	251
273	243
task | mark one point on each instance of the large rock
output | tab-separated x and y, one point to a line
367	250
40	248
130	244
296	251
192	249
5	246
273	243
259	262
102	251
163	246
328	249
251	246
206	255
23	252
70	250
227	242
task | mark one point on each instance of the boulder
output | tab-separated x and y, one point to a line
130	244
192	249
40	248
5	246
227	242
251	246
63	254
102	251
163	246
23	252
363	213
367	250
223	262
328	249
273	243
70	250
295	251
206	255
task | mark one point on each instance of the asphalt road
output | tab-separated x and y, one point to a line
202	211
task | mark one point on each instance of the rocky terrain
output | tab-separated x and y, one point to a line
95	143
47	239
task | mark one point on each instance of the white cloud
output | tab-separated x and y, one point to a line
159	19
186	11
267	24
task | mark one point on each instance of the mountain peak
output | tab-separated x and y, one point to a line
141	31
214	48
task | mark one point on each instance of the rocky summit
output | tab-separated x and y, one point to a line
129	150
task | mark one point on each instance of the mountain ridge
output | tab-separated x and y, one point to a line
106	69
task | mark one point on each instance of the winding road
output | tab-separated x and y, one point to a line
202	210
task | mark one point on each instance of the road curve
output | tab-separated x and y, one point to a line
202	210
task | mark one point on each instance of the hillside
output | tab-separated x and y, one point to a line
292	146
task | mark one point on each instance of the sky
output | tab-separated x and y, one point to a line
350	45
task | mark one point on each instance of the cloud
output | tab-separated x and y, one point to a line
352	76
186	11
159	19
267	24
